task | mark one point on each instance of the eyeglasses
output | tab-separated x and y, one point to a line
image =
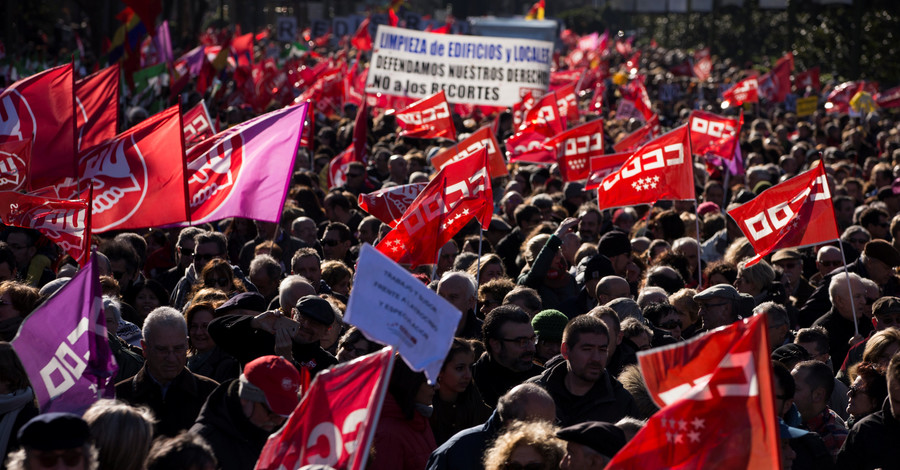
521	341
49	459
185	251
332	243
219	282
855	390
518	466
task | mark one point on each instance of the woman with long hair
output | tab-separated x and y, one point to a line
218	274
204	357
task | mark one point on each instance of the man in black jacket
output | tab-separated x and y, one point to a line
509	341
240	414
580	386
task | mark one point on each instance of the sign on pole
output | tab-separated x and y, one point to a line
287	29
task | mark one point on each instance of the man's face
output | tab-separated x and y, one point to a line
887	320
267	287
121	272
845	305
587	358
455	291
715	312
309	331
620	263
843	212
545	349
879	229
879	271
205	253
515	346
588	225
185	253
829	261
262	417
306	231
308	267
22	248
333	247
448	255
166	352
803	395
810	347
367	233
792	270
60	459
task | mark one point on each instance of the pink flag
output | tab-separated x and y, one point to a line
245	171
64	349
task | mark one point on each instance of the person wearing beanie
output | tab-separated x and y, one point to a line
548	328
616	246
54	440
240	414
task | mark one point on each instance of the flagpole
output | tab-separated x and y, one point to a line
699	245
849	290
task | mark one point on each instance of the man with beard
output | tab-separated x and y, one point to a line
580	386
509	341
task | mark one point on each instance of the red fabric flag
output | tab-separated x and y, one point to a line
65	222
808	79
335	421
561	78
718	404
392	18
428	118
518	109
198	126
389	204
360	132
40	108
242	48
744	91
889	98
460	191
796	213
712	134
702	64
597	99
362	40
636	92
661	169
776	84
482	138
15	159
645	134
147	11
138	177
576	147
540	122
601	166
338	166
624	48
545	111
97	107
567	99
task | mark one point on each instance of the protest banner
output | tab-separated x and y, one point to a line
469	69
807	106
392	307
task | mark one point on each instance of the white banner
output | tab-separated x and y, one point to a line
470	69
392	307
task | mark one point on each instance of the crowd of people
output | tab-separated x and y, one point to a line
558	296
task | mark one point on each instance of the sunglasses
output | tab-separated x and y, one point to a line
331	243
219	282
185	251
49	459
207	257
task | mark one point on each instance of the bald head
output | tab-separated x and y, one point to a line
611	288
292	289
526	402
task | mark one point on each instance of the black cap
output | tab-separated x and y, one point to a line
245	300
316	308
602	437
614	243
789	353
595	267
54	431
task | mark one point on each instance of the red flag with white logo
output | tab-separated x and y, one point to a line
460	191
518	109
539	123
545	111
644	134
808	79
776	84
702	64
576	147
712	134
601	166
661	169
718	404
482	138
338	166
65	222
138	177
796	213
97	107
41	108
428	118
335	421
567	99
15	159
198	126
389	204
744	91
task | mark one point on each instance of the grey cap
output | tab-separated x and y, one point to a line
722	291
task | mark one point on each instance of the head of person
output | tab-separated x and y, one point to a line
459	289
492	293
616	246
491	268
307	263
828	258
847	298
784	387
867	390
886	313
448	254
778	323
589	445
612	287
122	433
218	274
815	341
814	382
208	246
661	315
683	301
145	296
456	372
665	277
17	299
526	402
525	446
186	451
509	337
7	263
527	217
791	264
369	230
354	344
637	333
410	390
124	260
548	327
718	306
338	276
291	289
880	258
305	229
12	374
165	344
315	316
269	389
22	243
589	223
585	347
558	267
525	298
882	346
754	279
336	241
690	249
265	274
54	441
184	246
876	221
356	175
198	316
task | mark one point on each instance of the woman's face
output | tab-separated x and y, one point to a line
490	272
353	350
457	373
744	286
145	302
218	280
200	339
342	287
860	403
7	310
524	457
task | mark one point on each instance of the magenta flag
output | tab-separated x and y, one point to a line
244	171
64	349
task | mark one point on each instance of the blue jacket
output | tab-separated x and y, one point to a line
466	448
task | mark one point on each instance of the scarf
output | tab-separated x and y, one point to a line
10	406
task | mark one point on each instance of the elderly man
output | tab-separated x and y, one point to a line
872	443
458	288
722	305
828	259
509	342
791	263
54	441
839	320
164	384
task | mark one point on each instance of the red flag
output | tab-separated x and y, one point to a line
138	177
242	48
601	166
518	109
796	213
713	134
661	169
562	78
389	204
718	404
392	18
65	222
744	91
460	191
624	48
576	147
567	100
645	134
147	11
597	99
428	118
776	84
545	111
808	79
636	92
889	98
540	122
702	64
360	132
15	160
40	108
482	138
362	40
97	107
335	422
198	126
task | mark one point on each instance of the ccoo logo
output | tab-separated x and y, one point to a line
213	174
17	120
118	174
